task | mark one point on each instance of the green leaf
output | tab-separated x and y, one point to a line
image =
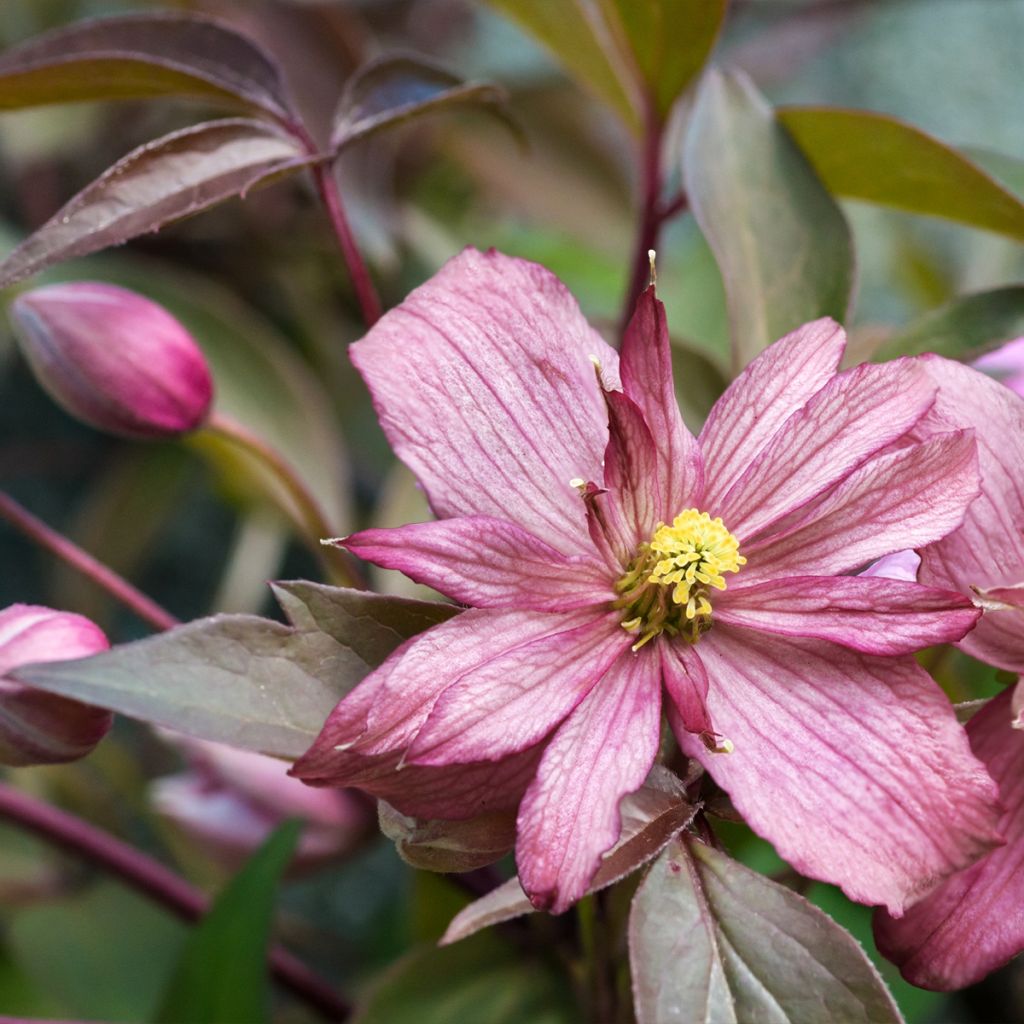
139	56
1007	169
580	39
222	974
399	87
781	242
712	940
669	41
104	953
249	682
174	177
479	981
865	155
963	328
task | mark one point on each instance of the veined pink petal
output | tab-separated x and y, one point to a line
631	464
686	683
1013	596
487	563
903	499
849	420
646	368
484	385
1005	364
569	816
853	766
974	922
869	614
778	383
513	700
453	792
383	713
988	550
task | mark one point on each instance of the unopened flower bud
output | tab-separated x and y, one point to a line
38	727
229	801
114	359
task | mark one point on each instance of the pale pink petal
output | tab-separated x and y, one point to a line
686	683
854	416
487	563
872	615
988	550
903	499
778	383
853	766
974	922
516	698
484	385
570	816
900	565
646	368
1005	364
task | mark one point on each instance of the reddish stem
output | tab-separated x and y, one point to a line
159	883
366	294
146	608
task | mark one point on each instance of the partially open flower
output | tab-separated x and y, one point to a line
114	359
37	727
229	801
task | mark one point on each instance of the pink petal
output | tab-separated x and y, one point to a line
484	386
853	766
631	465
686	683
647	378
900	565
487	563
988	550
974	922
515	699
872	615
903	499
1005	364
778	383
570	816
849	420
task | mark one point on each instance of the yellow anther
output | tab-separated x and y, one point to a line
666	586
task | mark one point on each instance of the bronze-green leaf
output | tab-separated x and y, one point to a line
711	940
174	177
243	680
396	88
138	56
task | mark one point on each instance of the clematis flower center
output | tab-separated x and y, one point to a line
666	588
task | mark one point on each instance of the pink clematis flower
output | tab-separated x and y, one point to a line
617	566
1006	364
974	921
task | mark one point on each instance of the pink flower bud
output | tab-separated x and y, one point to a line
38	727
114	359
230	800
1006	364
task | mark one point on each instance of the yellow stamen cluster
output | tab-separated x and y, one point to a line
666	587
